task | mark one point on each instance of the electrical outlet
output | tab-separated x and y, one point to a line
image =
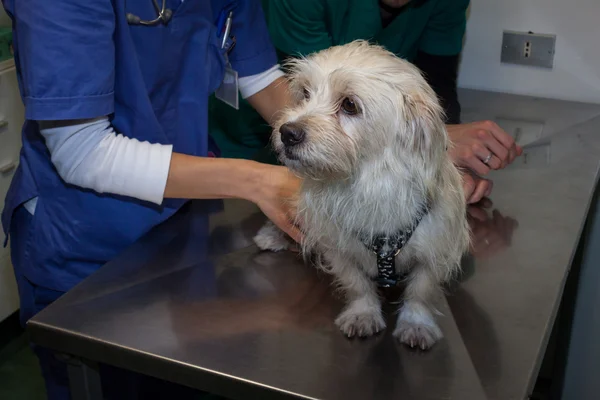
528	48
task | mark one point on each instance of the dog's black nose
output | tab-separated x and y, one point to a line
292	134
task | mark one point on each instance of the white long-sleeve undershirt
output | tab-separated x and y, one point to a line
91	155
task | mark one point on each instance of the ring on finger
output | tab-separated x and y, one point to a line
487	159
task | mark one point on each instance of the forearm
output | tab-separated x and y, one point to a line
273	189
228	178
91	155
193	177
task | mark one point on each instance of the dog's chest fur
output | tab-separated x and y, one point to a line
340	215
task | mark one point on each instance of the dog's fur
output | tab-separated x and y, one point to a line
371	173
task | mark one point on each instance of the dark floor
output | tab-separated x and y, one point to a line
20	376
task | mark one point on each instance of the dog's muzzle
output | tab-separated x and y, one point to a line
292	134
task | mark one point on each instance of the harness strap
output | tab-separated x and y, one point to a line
387	247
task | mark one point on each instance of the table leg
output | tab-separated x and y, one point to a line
84	380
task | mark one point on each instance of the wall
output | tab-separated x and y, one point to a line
576	72
4	20
11	111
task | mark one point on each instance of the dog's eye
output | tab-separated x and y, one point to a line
306	93
349	107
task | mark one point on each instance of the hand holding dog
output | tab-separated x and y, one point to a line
277	199
475	188
476	141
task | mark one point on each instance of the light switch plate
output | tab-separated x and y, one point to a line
539	155
524	132
528	48
533	157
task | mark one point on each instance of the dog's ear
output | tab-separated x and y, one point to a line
424	117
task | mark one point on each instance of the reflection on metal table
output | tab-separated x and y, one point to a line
194	302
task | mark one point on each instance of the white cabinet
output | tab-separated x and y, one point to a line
11	121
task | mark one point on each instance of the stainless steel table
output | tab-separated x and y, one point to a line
194	302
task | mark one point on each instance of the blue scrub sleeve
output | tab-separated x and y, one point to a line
65	57
253	53
445	30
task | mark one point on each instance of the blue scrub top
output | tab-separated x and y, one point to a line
80	59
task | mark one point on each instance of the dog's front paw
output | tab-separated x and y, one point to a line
362	323
417	335
416	327
270	237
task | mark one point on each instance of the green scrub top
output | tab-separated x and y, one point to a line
296	27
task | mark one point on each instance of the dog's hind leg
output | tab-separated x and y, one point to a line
416	326
362	315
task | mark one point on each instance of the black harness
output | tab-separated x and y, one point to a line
387	247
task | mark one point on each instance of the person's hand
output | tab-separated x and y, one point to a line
475	188
491	234
478	142
277	197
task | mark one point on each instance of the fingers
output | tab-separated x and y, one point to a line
473	161
482	141
499	142
290	229
495	163
491	144
481	187
490	186
468	185
478	155
519	150
284	219
475	188
504	138
512	154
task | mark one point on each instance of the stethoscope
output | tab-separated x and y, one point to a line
164	16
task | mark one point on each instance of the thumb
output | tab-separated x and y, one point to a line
290	229
468	185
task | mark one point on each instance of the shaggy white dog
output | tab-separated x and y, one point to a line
380	197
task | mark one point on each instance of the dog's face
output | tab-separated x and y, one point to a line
356	103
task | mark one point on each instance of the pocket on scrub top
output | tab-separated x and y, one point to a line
216	63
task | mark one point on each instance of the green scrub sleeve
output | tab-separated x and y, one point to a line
297	27
445	30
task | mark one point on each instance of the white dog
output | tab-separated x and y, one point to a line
380	196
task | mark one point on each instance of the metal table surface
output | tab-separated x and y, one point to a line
196	303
